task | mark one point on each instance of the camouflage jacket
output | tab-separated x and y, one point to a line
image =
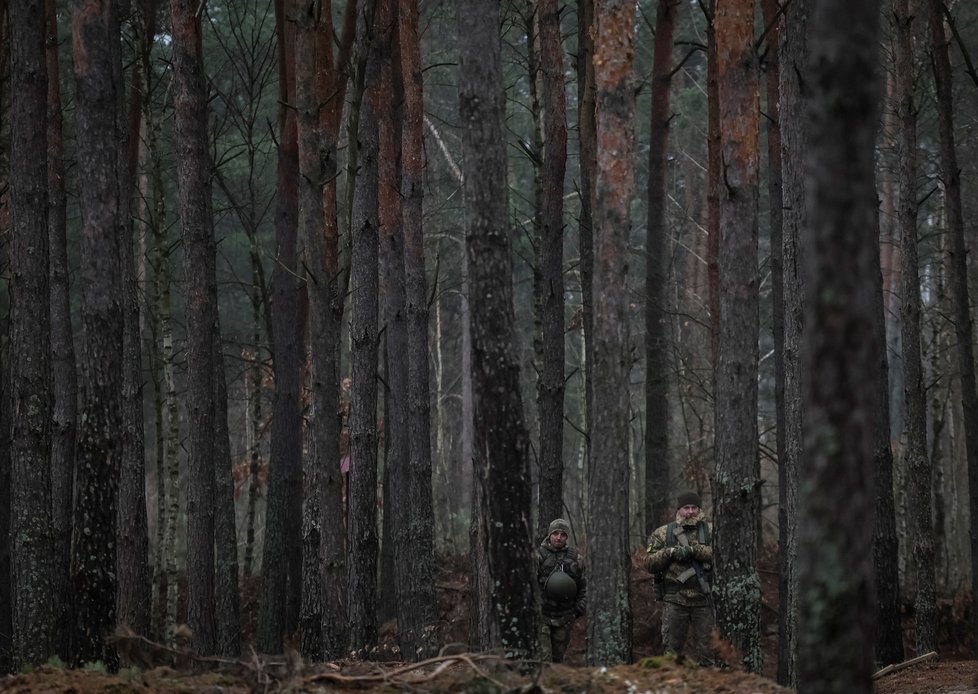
680	584
571	562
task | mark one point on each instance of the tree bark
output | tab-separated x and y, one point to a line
794	64
609	616
363	335
837	596
278	613
951	179
501	447
34	557
98	451
64	374
737	478
194	169
657	350
919	471
132	551
418	601
550	247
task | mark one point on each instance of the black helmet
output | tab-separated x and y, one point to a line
560	586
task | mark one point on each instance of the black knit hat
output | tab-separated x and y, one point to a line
687	498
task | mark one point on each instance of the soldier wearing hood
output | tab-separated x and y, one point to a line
680	557
563	590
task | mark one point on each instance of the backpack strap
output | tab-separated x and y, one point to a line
671	534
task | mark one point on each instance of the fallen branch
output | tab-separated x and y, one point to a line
889	669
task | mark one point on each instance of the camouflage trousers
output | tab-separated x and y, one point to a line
554	637
681	622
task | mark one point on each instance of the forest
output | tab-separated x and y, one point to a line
309	301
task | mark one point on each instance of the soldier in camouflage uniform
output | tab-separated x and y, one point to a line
563	590
680	556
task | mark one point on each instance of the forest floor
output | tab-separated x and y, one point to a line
953	671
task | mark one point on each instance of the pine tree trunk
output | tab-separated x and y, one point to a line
609	616
657	352
363	335
197	232
33	547
951	178
737	478
550	290
418	600
793	118
919	471
64	376
841	357
98	451
282	558
501	446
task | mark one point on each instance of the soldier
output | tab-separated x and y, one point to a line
563	589
680	557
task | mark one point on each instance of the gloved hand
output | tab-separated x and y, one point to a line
703	553
681	553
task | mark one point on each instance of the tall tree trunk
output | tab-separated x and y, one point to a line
418	600
282	559
194	174
332	288
919	472
837	596
396	542
64	376
588	172
32	542
501	451
793	117
889	640
363	334
98	451
227	594
737	472
951	178
550	290
657	354
308	101
609	617
132	550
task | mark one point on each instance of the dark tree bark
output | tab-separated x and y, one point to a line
227	594
308	98
194	169
737	478
657	356
951	179
132	552
93	553
550	254
330	292
609	617
501	451
837	596
33	547
793	67
278	614
919	471
64	375
713	175
889	639
418	598
363	335
588	167
395	541
6	587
